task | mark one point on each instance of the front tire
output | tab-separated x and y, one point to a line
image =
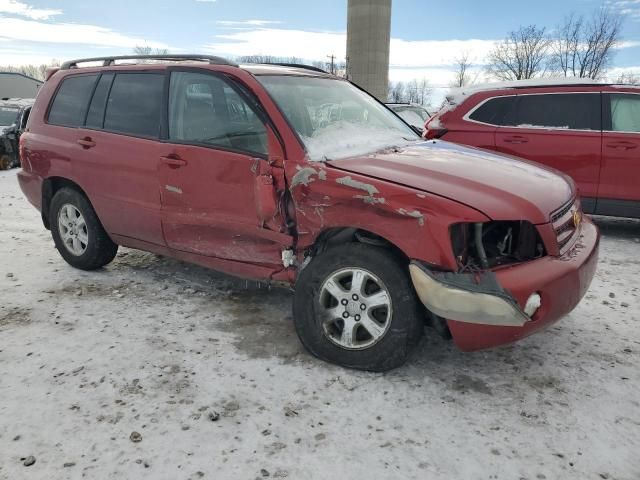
355	306
77	232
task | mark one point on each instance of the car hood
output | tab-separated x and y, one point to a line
501	187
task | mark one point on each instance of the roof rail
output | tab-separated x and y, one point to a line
109	61
299	65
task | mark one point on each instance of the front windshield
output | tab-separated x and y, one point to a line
8	116
334	119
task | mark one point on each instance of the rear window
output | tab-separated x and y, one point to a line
134	104
573	111
70	103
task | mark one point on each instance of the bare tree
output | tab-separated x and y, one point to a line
146	50
34	71
585	48
628	78
424	92
522	55
396	92
462	64
413	91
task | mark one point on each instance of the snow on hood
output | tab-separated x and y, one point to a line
501	187
347	139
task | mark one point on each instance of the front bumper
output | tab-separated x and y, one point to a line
490	312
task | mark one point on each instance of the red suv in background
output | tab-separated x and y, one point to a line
589	131
295	176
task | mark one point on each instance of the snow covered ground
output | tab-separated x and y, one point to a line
158	347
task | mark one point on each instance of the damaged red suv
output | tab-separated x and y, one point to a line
293	176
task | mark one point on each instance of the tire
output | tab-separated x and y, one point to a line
74	222
319	315
5	162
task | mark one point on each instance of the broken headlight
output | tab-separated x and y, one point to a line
481	246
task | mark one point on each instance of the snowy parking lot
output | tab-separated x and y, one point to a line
152	368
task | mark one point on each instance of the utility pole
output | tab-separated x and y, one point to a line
332	64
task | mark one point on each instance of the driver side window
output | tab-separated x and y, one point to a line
206	110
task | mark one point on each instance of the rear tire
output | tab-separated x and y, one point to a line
369	327
5	162
77	232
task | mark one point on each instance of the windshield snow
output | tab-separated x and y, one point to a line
334	119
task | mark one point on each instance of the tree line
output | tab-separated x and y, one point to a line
580	46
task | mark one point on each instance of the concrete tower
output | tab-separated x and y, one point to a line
368	38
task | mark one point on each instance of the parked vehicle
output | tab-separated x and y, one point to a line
294	176
412	113
14	113
588	130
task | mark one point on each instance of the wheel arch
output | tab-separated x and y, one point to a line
50	186
341	235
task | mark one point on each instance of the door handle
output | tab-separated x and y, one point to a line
622	145
86	142
174	161
516	140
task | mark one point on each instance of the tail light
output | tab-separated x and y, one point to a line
434	129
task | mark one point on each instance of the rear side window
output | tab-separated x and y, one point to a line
134	104
574	111
70	103
625	113
95	115
496	111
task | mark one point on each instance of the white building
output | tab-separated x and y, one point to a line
17	85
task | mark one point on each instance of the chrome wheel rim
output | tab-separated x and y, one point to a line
73	230
356	308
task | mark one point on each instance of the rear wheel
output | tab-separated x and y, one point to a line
355	306
78	233
5	162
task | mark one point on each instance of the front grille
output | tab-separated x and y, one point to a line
565	225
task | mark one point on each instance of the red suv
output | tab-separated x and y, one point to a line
293	176
589	131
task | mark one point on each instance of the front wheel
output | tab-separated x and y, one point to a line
355	306
78	233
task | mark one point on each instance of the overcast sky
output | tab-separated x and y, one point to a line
426	35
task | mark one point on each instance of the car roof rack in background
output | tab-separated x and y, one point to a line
110	61
299	65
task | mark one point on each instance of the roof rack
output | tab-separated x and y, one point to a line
109	61
299	65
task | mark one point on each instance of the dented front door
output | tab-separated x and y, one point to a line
218	162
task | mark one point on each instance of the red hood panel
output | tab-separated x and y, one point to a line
500	187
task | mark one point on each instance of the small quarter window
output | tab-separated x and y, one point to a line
70	103
496	111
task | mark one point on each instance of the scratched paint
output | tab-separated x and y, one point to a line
350	182
304	176
414	214
371	190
